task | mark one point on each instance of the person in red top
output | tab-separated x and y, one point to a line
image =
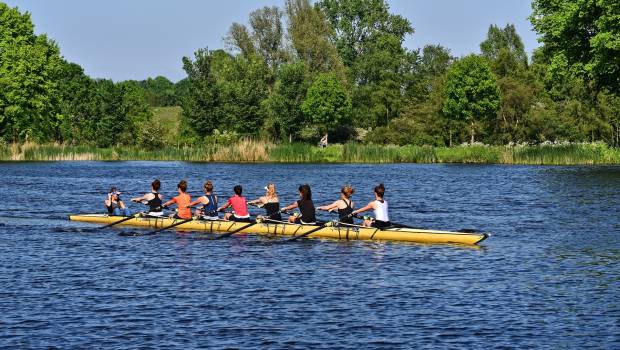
239	206
182	201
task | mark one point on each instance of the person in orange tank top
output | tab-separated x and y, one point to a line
182	201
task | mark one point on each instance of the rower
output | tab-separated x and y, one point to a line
182	201
344	205
239	206
380	206
305	205
270	202
152	200
208	211
114	204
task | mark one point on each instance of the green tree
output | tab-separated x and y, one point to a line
243	83
267	32
327	104
471	92
583	33
201	106
79	105
29	68
505	40
370	40
283	107
310	34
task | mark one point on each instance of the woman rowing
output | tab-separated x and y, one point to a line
270	202
380	206
152	200
114	204
208	211
344	205
239	206
305	205
182	201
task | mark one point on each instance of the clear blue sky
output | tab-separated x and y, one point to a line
135	39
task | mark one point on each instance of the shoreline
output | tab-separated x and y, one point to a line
248	151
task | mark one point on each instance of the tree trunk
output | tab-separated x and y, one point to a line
450	139
473	133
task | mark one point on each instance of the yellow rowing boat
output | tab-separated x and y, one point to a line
348	232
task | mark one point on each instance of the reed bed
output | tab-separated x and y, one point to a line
259	151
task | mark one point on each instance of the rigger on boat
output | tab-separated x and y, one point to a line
378	228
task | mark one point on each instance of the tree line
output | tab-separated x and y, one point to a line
339	67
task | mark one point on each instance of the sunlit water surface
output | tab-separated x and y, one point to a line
549	277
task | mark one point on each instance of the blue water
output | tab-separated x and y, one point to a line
548	277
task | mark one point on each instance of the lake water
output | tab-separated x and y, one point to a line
548	277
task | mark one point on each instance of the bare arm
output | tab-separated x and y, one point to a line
200	200
330	207
370	205
223	206
292	206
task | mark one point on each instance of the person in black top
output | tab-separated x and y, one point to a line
270	202
344	205
305	205
152	200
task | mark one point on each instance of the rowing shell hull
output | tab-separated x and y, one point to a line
282	229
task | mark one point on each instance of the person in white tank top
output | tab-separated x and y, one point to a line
380	207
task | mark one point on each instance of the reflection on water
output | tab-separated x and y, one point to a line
548	277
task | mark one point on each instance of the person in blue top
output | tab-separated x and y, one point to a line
208	209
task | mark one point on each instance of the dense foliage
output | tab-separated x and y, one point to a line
336	66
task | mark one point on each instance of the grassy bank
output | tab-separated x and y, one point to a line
256	151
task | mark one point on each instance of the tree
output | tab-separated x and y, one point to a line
29	68
471	92
79	105
239	40
310	33
327	104
267	32
585	34
370	40
201	106
283	107
506	41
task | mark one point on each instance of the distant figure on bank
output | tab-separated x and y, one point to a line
182	201
323	142
208	211
152	200
344	205
270	202
239	206
114	204
380	206
305	205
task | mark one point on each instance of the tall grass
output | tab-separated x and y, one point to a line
259	151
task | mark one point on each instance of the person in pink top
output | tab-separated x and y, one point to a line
239	207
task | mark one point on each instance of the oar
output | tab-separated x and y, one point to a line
158	230
123	220
306	234
228	234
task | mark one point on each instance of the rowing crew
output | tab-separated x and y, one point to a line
207	205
